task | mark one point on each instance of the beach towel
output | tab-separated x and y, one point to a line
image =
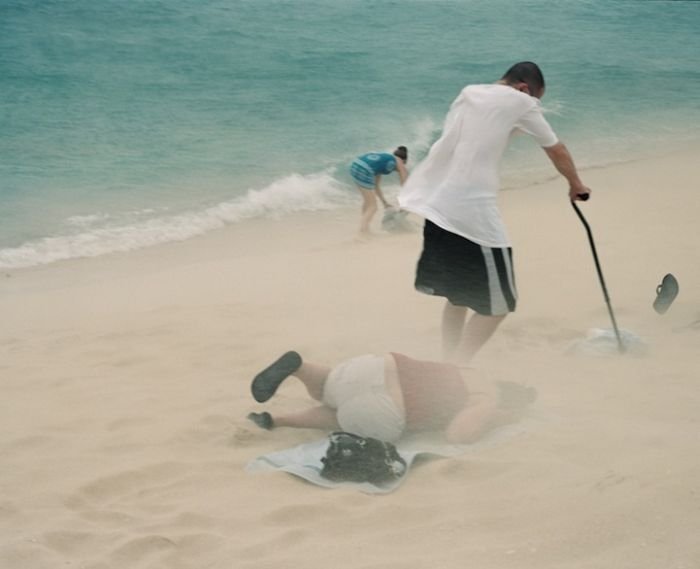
304	460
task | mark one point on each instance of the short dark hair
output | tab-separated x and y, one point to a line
526	72
401	152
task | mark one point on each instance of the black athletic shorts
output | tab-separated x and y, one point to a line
466	273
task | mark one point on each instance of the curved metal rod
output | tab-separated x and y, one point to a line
620	345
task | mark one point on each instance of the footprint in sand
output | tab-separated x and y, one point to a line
300	513
135	550
610	480
122	486
285	541
211	429
73	543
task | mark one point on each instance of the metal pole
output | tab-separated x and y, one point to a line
620	345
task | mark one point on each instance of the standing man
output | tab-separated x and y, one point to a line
467	256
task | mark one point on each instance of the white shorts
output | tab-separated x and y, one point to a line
356	389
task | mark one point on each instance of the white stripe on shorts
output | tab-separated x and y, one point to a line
509	270
498	301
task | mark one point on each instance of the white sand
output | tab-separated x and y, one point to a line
125	378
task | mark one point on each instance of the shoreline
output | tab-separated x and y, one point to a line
336	227
152	272
511	183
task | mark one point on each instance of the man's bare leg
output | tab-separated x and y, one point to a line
313	376
476	333
453	318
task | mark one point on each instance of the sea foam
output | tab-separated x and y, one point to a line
98	234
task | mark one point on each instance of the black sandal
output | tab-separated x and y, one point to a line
666	293
262	420
268	380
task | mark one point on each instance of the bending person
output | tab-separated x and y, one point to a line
367	171
386	396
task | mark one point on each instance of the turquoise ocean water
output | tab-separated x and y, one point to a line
128	123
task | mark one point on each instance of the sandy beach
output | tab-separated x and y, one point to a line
125	382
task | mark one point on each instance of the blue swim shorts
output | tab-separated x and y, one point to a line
363	174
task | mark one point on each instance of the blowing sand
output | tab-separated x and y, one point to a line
125	379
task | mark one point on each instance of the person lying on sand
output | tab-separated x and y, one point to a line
385	396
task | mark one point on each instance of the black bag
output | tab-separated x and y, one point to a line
352	458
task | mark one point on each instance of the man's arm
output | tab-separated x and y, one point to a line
564	163
478	416
470	424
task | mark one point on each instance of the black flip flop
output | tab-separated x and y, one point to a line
666	293
262	420
268	380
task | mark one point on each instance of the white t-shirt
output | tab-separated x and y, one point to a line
456	185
